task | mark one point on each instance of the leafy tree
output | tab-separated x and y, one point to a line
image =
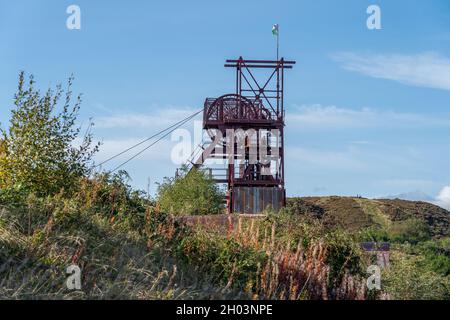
39	152
191	193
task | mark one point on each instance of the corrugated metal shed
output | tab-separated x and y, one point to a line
253	200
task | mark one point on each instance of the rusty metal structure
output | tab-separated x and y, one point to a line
246	131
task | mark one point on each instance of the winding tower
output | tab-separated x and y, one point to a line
246	131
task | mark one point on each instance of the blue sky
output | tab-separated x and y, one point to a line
368	111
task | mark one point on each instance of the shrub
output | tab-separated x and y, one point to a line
111	194
223	257
437	255
343	254
105	195
191	193
374	234
407	280
14	196
38	149
411	230
293	229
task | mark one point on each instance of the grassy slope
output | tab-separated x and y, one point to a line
357	213
116	262
419	268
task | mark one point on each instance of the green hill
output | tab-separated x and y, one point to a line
355	214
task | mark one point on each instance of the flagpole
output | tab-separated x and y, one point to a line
278	39
275	32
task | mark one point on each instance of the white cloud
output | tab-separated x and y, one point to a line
332	117
163	117
346	159
405	184
162	151
360	142
111	147
429	69
443	198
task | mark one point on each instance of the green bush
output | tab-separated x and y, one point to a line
411	230
374	234
105	195
111	195
191	193
292	229
343	254
406	279
14	195
221	256
437	255
38	149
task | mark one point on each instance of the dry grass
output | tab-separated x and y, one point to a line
294	274
288	273
116	263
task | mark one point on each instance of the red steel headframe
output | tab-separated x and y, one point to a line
248	86
257	105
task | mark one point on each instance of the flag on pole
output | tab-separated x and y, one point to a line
275	30
275	33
